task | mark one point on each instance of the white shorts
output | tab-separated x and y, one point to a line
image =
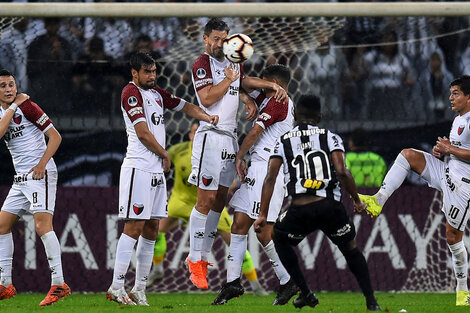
142	195
213	160
32	196
247	199
456	192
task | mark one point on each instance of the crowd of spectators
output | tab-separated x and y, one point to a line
372	69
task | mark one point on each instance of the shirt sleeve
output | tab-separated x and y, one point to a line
131	101
278	151
335	142
170	101
273	112
33	113
202	74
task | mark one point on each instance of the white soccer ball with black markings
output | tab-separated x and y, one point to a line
238	48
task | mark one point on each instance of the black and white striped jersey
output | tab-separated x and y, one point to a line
308	166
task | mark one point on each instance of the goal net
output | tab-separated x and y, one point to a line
381	67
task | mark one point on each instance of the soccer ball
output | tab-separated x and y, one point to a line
238	48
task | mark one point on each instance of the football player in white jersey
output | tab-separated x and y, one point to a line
451	177
274	119
142	184
23	125
218	84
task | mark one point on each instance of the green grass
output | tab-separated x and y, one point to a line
331	302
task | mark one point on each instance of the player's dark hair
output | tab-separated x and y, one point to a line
5	72
279	72
463	82
215	23
140	59
308	108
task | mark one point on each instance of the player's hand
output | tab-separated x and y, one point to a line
436	152
250	110
443	145
240	165
20	98
359	206
281	94
259	224
166	162
39	172
213	119
232	73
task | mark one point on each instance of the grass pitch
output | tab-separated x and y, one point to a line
330	302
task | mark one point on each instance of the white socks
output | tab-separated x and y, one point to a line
278	268
6	259
394	178
52	247
460	263
238	244
197	224
209	233
144	255
124	250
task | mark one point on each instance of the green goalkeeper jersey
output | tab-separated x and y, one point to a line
180	156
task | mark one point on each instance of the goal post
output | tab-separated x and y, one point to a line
459	8
333	50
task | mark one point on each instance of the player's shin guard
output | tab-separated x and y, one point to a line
237	251
289	259
358	266
52	247
210	232
159	249
197	224
276	263
6	258
144	256
460	264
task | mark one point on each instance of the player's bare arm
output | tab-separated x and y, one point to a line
149	141
211	94
251	83
198	113
445	147
248	142
347	180
250	105
11	108
267	192
39	171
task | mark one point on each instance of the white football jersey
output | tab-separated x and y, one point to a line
276	118
460	137
25	137
209	71
139	105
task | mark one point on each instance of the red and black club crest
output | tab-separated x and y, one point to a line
460	129
138	208
206	180
17	118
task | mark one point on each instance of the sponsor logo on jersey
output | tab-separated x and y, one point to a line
132	101
265	116
138	208
250	181
156	182
17	118
201	73
228	156
42	120
207	180
136	110
460	130
157	119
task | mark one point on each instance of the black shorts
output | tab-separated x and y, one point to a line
328	215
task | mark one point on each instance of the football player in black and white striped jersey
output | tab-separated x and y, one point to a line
314	166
